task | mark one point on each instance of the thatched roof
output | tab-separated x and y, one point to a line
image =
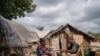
35	35
16	35
60	29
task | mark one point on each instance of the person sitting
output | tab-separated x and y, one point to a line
73	47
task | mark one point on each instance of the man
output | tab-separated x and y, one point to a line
72	47
42	50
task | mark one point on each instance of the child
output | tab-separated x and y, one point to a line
42	50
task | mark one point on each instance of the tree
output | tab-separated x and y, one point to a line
13	8
40	28
97	35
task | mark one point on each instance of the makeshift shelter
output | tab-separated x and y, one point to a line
59	39
35	43
15	39
47	38
41	34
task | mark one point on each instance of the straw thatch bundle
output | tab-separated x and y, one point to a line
14	38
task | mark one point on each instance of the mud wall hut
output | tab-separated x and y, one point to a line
15	39
58	39
47	38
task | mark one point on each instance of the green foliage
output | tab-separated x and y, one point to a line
40	28
53	30
13	8
97	35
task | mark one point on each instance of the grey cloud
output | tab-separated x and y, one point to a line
92	12
87	27
70	13
49	16
96	21
93	29
45	17
47	2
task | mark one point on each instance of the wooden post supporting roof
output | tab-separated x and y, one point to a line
63	39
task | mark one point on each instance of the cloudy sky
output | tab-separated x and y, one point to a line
82	14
